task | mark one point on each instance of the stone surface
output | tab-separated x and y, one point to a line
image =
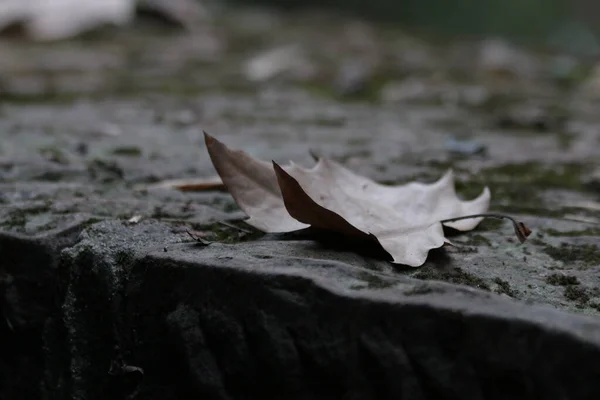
93	305
274	318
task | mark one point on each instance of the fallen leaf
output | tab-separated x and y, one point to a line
405	220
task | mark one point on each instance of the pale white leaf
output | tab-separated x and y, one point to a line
405	220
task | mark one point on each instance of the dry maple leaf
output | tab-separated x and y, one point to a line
406	220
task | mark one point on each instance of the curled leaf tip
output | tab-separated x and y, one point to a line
522	231
208	139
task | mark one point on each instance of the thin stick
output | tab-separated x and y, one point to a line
521	230
232	226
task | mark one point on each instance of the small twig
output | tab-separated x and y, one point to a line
235	227
197	238
521	230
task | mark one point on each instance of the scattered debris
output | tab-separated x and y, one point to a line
109	129
530	117
465	147
135	219
105	171
187	185
407	90
278	61
353	78
498	57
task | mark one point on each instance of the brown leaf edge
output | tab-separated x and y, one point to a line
521	230
303	208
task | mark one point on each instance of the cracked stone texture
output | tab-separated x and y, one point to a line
94	306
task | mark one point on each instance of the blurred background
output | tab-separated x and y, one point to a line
109	35
514	18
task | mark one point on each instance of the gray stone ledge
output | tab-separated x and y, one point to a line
258	321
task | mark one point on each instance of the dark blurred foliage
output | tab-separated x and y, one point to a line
520	19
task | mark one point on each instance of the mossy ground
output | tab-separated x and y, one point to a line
455	275
577	294
562	280
503	287
522	186
586	254
17	218
230	232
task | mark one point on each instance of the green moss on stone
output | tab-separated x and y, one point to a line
104	170
536	242
504	287
456	275
54	154
128	151
576	294
490	225
18	218
124	258
588	254
15	220
230	232
478	240
595	306
519	188
562	280
564	176
582	232
373	282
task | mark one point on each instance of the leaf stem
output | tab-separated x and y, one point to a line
521	230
